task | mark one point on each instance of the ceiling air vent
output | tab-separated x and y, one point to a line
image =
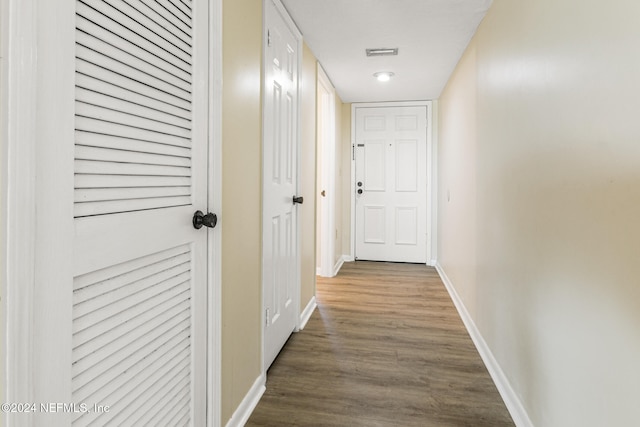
382	52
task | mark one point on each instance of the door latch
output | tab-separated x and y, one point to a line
209	220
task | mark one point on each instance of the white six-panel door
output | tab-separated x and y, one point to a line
391	183
120	298
280	180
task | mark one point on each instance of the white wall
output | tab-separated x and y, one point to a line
539	150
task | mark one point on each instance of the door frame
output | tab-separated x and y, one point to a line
19	81
18	111
431	173
296	292
326	137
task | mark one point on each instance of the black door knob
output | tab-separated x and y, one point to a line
359	183
297	199
209	220
359	190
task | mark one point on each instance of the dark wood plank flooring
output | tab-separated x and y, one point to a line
385	347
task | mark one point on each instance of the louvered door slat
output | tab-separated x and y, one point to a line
181	9
121	287
135	63
174	386
176	26
119	23
112	102
101	278
155	415
89	139
105	389
155	364
83	152
181	418
120	335
93	85
88	124
120	360
103	318
147	21
121	344
91	32
87	332
157	98
113	194
137	119
116	181
100	120
161	419
178	420
112	168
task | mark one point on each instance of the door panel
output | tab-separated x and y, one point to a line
375	159
131	337
137	280
406	166
391	164
406	232
374	224
280	260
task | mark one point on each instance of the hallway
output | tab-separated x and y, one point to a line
385	347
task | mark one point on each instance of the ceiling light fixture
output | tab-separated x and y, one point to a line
382	51
383	76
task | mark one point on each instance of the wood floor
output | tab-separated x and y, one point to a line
385	347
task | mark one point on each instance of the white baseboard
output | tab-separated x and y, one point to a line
511	400
318	271
338	265
340	262
432	263
306	314
249	403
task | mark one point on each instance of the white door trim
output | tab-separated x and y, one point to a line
18	109
296	293
431	170
327	153
214	244
18	199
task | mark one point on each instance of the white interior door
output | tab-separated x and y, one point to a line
280	180
120	319
391	183
326	142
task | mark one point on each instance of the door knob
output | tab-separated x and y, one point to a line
297	199
359	190
359	183
209	220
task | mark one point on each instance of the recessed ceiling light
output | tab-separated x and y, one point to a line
382	51
383	76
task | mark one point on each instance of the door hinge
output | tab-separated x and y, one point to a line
266	320
353	151
268	38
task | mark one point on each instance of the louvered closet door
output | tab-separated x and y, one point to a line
138	315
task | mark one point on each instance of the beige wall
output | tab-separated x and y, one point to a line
342	170
539	150
241	200
241	204
337	211
308	177
344	177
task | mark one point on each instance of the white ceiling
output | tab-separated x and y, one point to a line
431	35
